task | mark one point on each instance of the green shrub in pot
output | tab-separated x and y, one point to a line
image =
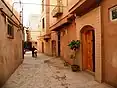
74	46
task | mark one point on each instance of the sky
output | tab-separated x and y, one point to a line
29	9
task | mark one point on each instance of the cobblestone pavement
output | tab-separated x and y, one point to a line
49	72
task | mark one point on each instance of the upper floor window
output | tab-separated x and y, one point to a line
10	29
59	2
43	23
42	5
113	13
4	16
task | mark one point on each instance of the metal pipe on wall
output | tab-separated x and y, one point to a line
10	11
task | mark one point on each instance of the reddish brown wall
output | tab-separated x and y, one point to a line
65	39
10	49
92	18
110	44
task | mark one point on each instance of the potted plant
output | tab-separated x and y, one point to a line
74	46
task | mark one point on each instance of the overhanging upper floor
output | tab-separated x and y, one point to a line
63	22
84	6
80	8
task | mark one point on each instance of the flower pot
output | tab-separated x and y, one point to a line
75	68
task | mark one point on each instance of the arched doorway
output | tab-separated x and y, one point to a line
88	48
53	48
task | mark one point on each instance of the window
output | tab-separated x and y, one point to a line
43	23
10	29
59	2
4	16
113	13
64	32
42	5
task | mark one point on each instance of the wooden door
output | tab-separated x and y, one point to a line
88	50
59	43
53	48
89	42
42	47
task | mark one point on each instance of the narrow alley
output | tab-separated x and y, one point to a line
74	43
49	72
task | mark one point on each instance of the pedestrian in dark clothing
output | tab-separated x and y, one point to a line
33	49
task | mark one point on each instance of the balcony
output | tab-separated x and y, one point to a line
84	6
57	11
47	37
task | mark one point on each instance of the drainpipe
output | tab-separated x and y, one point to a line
10	11
67	3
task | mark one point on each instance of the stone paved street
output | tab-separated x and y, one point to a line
49	72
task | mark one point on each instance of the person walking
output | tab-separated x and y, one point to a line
33	49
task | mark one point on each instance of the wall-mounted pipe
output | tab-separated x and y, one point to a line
11	11
14	23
